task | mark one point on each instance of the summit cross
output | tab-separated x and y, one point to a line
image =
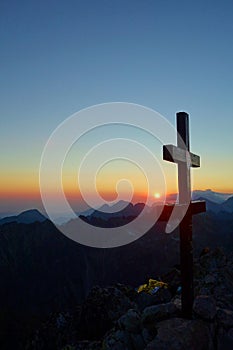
181	155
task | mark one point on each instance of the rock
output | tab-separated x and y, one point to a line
148	334
210	279
223	298
162	296
177	302
102	308
225	339
123	340
55	332
61	321
225	318
130	321
138	342
204	291
156	313
128	291
181	334
117	340
84	345
230	333
128	336
121	318
204	251
143	299
213	260
173	279
205	307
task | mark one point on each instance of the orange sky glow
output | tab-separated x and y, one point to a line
25	193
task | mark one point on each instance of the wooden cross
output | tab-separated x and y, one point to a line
181	155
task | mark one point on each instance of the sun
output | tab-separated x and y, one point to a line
157	195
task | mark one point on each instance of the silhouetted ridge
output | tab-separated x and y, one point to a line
26	217
115	218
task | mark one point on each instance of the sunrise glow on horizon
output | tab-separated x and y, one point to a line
18	199
20	189
57	71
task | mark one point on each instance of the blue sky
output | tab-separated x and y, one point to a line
58	57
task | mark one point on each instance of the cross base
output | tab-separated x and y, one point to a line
186	251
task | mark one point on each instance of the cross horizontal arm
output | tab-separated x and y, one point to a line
176	154
195	207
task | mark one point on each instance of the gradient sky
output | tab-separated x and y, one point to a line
58	57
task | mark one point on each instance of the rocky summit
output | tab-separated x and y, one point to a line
120	318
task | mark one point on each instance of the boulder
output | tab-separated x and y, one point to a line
130	321
210	279
143	300
181	334
84	345
225	339
205	307
213	260
117	340
123	340
163	295
225	318
173	279
137	341
157	313
177	302
127	290
149	334
99	312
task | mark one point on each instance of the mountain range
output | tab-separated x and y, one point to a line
218	203
43	271
226	206
216	197
107	213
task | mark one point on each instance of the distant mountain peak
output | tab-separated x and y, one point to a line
26	217
229	200
210	195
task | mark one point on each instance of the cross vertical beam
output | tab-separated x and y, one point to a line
182	122
186	246
185	159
